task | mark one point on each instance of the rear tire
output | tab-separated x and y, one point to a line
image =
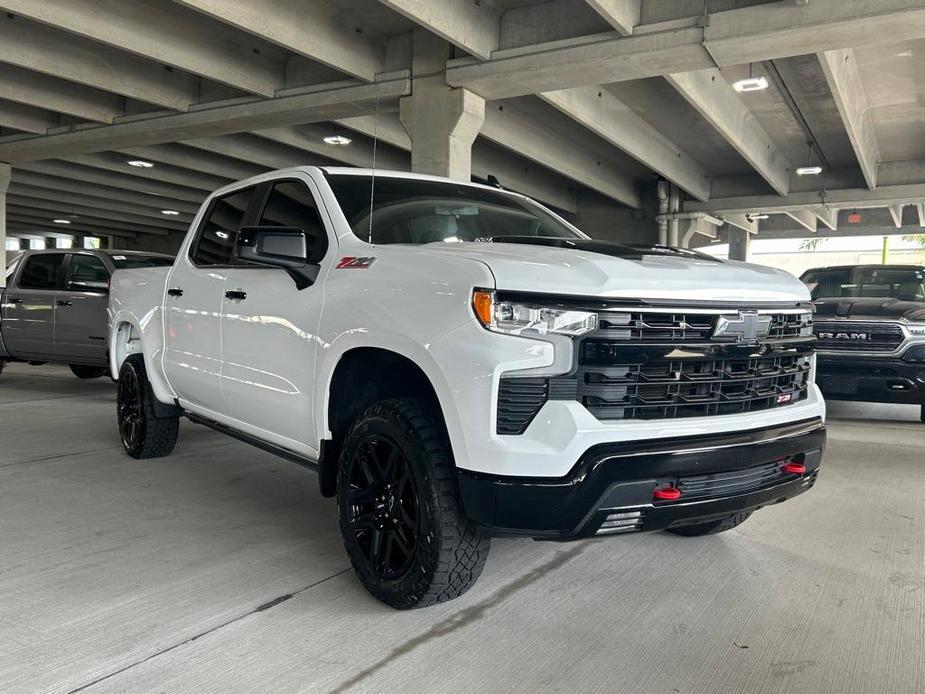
712	527
401	516
87	372
143	434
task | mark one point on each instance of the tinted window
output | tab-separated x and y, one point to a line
132	262
412	211
84	269
885	282
41	271
217	235
290	204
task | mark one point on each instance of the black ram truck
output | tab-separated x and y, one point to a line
870	330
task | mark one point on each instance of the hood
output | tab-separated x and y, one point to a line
870	309
595	268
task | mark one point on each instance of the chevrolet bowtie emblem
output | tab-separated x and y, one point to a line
745	326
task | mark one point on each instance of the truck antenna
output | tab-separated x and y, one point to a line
372	180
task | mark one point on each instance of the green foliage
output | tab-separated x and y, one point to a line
915	238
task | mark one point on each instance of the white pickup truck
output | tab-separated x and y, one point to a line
458	362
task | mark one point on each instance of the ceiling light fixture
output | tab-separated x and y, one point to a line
61	221
172	213
140	163
753	216
751	84
809	171
337	140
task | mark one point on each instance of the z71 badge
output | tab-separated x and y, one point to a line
352	263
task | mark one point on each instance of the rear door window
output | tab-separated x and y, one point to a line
42	271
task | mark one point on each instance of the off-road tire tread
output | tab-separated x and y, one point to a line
712	527
160	433
462	551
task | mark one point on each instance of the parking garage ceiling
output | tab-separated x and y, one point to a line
598	97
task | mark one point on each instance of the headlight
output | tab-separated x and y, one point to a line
527	319
916	329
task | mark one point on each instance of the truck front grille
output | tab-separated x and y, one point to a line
858	336
669	364
693	387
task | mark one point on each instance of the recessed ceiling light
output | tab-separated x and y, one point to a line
61	221
751	84
809	171
140	163
172	213
337	140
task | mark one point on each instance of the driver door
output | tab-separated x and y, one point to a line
270	328
81	326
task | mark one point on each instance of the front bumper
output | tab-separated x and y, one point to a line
610	488
871	379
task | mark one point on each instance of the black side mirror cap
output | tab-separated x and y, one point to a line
283	247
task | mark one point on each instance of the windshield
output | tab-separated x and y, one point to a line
874	282
134	262
406	210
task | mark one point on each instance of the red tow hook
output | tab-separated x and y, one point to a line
667	494
793	468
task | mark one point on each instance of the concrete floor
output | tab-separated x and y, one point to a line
220	568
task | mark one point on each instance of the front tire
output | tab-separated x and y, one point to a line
87	372
401	516
143	434
711	527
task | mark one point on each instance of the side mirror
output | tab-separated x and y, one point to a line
88	286
288	248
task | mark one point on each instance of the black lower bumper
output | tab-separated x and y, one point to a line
871	379
610	489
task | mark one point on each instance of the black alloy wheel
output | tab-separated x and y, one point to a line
384	506
131	422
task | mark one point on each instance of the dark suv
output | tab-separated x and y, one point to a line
870	327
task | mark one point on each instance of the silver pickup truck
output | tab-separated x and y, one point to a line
53	306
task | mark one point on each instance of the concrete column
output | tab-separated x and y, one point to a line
740	242
442	122
5	172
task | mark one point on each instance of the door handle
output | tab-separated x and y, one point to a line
62	302
14	300
236	295
175	291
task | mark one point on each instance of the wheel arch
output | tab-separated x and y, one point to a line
128	337
364	375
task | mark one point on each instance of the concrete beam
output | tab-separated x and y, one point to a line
608	117
253	149
734	37
827	215
896	212
163	32
59	96
841	72
309	29
5	177
63	197
49	51
622	15
846	198
310	138
189	178
548	20
26	118
324	102
715	100
23	203
66	186
86	174
183	157
31	229
920	210
805	218
741	221
87	224
510	127
473	26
